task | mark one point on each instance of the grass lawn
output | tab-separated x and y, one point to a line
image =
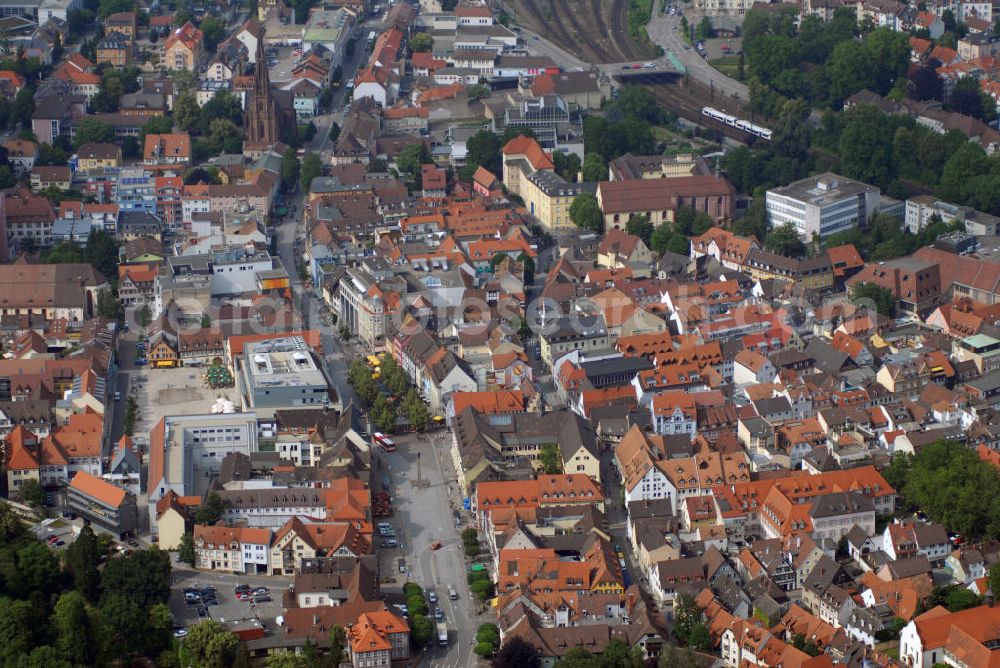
728	65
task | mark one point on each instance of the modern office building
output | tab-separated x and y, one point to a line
281	373
822	205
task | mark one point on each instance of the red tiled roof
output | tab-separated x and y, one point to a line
96	488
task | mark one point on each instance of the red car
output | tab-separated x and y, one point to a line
436	545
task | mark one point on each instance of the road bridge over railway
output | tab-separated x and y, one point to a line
666	68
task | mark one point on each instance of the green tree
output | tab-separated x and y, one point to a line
19	630
51	155
412	157
809	647
488	635
639	225
881	298
108	305
142	577
478	92
785	240
421	42
567	165
211	511
994	580
586	214
93	130
334	132
421	630
214	31
22	108
211	645
594	168
221	105
686	616
74	633
577	657
83	557
484	150
699	639
416	410
289	170
31	493
145	315
102	252
108	7
949	483
186	111
470	542
754	220
517	653
960	598
384	415
123	622
185	551
550	458
225	136
288	660
312	167
45	656
704	28
338	645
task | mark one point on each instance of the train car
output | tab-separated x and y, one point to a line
714	114
738	123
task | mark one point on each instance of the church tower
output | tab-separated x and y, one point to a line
260	122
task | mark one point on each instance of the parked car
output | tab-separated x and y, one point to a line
402	564
263	598
180	633
389	542
260	590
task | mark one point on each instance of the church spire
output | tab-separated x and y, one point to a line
260	122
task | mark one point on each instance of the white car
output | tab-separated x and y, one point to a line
180	633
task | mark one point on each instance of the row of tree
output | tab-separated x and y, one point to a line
383	409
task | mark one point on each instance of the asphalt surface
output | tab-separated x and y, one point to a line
424	514
662	30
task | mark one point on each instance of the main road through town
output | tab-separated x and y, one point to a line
426	499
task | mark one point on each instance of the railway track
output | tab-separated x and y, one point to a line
619	24
596	51
686	105
552	30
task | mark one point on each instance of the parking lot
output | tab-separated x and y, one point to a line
227	607
280	64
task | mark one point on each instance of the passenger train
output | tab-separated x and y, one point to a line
738	123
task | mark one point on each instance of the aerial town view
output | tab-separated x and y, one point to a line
499	333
